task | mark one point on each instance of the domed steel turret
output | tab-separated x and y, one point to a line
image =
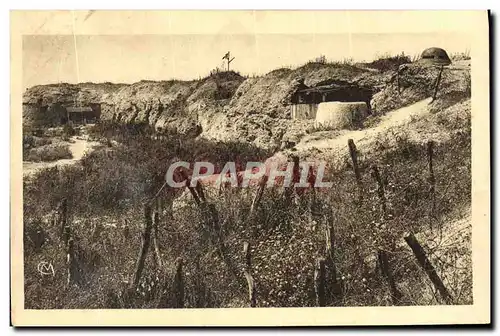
435	56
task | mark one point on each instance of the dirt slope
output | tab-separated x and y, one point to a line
450	250
363	138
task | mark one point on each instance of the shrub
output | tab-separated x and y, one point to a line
30	141
320	59
113	178
121	132
460	56
286	237
50	152
349	62
389	63
69	130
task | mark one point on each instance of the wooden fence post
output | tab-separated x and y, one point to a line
201	291
387	273
248	275
330	241
258	196
380	189
210	217
211	225
354	157
178	285
319	282
424	262
432	179
68	241
255	204
330	248
64	223
437	83
71	263
195	195
156	220
330	259
397	78
146	240
290	190
200	192
196	191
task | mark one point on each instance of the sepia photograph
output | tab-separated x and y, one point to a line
254	159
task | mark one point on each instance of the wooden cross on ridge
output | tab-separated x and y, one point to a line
227	56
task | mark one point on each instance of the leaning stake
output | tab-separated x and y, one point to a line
248	275
146	240
428	268
319	282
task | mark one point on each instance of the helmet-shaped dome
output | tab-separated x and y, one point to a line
435	56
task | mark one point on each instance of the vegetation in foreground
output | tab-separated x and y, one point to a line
106	193
47	153
49	144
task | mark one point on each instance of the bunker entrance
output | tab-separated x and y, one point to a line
307	100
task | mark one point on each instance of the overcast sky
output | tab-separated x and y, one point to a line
131	58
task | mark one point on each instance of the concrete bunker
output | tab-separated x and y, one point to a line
340	115
82	114
336	103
